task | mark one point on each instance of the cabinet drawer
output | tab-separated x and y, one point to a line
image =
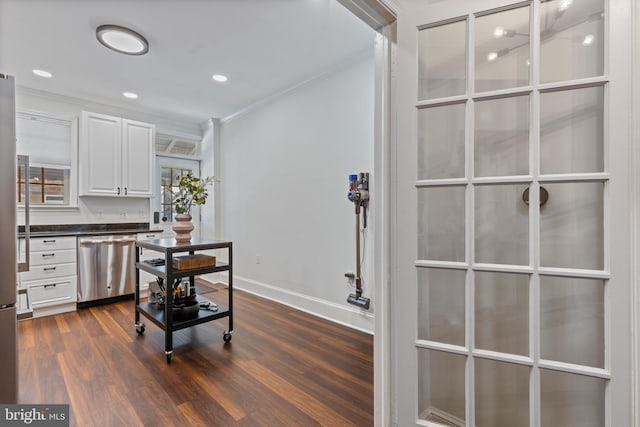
51	243
148	253
151	235
39	272
53	257
53	292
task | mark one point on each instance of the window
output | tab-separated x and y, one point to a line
182	146
47	186
177	154
50	144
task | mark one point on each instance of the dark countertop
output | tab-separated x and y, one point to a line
53	230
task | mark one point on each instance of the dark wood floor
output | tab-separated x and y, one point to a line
282	368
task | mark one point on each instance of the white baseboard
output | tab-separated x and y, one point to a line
345	315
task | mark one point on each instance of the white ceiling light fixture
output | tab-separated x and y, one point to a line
219	78
122	40
42	73
130	95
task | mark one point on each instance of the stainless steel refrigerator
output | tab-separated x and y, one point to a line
8	242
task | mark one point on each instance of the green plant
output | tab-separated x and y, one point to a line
190	190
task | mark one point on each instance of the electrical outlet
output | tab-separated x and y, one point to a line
257	258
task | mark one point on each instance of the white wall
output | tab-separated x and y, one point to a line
93	209
284	172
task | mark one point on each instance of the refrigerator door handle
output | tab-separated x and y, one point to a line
24	266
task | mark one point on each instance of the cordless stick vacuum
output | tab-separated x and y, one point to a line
359	195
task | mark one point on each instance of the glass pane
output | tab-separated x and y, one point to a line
501	225
502	136
53	190
35	174
166	213
21	195
502	394
441	223
502	50
441	296
570	400
441	142
572	131
441	387
442	69
572	226
35	195
166	195
54	176
502	312
572	320
165	176
571	40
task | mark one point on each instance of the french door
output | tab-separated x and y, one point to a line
169	170
513	274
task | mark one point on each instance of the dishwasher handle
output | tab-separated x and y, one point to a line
105	241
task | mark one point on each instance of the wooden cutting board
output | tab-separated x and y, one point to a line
193	261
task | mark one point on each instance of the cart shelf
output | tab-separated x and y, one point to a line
161	270
156	315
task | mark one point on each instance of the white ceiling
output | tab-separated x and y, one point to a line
263	46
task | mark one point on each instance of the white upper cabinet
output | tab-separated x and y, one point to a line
116	156
138	148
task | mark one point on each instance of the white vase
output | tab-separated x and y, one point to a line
183	228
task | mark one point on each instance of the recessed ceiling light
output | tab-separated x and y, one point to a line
130	95
588	39
122	39
492	56
43	73
219	78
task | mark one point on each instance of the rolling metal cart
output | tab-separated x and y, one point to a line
163	316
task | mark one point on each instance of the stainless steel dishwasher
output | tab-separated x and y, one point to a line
106	266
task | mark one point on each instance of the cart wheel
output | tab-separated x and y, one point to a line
226	337
140	328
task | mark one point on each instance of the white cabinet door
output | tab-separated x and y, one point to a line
100	155
138	143
116	156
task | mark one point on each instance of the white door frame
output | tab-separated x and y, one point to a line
635	207
382	15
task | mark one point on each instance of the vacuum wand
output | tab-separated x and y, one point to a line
359	195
